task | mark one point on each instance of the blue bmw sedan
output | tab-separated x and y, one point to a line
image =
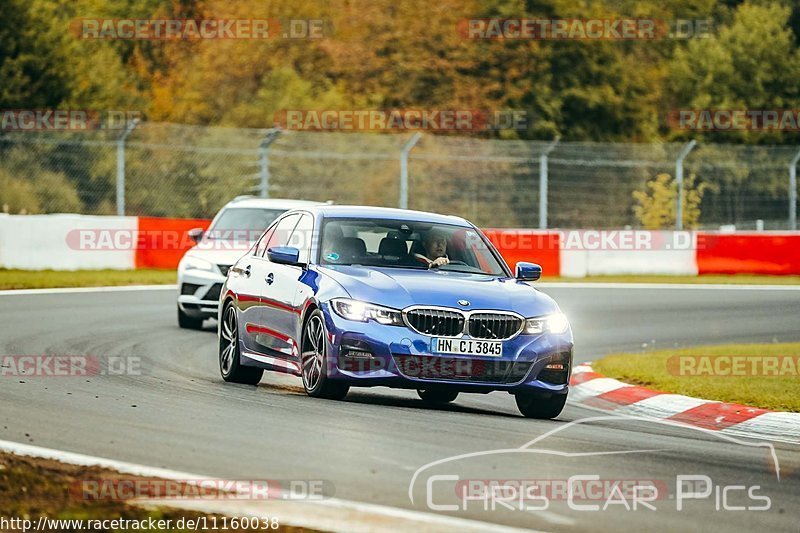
346	296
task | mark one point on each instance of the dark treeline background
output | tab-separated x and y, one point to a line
404	53
382	54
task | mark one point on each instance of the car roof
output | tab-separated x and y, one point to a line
361	211
268	203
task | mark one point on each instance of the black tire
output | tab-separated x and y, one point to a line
437	395
189	322
314	361
229	365
532	406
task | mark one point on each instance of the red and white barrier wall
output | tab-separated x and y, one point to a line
41	242
72	242
581	253
77	242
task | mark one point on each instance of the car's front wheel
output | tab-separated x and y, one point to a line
533	406
189	322
315	361
229	364
437	395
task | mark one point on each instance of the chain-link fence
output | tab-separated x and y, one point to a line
191	171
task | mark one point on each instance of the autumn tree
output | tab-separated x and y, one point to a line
655	207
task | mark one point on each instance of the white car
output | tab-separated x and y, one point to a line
204	267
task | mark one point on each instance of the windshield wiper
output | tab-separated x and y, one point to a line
375	265
463	271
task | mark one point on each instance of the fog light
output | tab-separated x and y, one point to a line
556	372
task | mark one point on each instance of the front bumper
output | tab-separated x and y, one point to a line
370	354
199	291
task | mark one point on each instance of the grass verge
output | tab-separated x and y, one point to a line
32	487
701	372
47	279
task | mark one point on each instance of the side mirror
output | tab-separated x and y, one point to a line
528	271
196	234
284	255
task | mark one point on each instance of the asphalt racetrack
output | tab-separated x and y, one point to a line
383	447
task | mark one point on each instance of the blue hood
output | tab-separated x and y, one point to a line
399	288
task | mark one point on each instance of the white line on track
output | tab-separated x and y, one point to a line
332	514
70	290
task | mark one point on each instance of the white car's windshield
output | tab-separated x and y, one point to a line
407	244
242	223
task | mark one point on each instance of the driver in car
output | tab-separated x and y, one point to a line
435	244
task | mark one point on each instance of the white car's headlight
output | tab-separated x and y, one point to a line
556	323
195	263
362	311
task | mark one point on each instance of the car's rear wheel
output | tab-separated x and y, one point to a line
437	395
533	406
229	354
189	322
314	361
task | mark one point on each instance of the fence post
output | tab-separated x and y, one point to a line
543	177
121	166
412	142
679	179
793	192
263	160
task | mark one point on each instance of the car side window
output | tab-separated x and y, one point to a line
301	237
280	237
261	247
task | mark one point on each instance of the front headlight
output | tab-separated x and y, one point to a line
190	262
556	323
362	311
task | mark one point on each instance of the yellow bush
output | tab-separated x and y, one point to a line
655	207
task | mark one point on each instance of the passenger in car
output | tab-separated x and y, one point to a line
435	244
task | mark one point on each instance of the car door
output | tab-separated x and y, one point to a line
259	320
281	288
246	288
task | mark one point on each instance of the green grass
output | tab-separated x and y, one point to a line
655	370
45	279
746	279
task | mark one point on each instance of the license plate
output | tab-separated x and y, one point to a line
468	347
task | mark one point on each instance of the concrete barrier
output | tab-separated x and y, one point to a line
42	242
72	242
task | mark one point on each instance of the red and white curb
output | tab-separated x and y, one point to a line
593	390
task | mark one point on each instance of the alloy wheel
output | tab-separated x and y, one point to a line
313	352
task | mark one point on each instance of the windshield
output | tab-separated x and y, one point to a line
407	244
243	223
